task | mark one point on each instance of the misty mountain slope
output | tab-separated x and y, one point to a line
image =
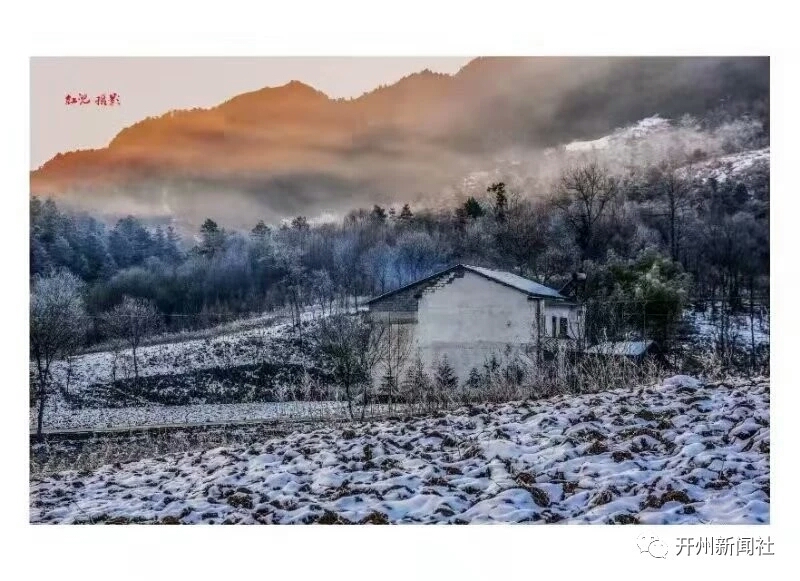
287	150
735	149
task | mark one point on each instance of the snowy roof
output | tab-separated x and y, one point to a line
627	348
508	279
515	281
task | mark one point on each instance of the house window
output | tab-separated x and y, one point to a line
554	327
562	327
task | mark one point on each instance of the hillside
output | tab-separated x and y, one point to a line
291	149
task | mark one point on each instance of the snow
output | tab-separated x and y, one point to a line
623	348
225	350
706	326
638	131
730	166
88	378
57	419
681	381
577	459
518	282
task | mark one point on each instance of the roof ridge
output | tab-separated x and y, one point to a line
519	283
488	272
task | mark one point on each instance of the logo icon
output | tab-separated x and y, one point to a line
652	546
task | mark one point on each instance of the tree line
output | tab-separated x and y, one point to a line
662	234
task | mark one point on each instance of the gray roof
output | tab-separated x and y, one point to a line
515	281
626	348
508	279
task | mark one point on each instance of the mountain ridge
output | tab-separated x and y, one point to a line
414	135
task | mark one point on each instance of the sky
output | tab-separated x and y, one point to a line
153	86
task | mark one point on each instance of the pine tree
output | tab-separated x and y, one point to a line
405	213
160	242
173	244
417	384
378	214
260	231
212	237
472	208
500	200
444	380
473	383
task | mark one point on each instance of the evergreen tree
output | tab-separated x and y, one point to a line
445	381
260	231
212	238
160	241
173	244
445	376
417	383
389	386
500	200
378	214
472	208
300	223
473	384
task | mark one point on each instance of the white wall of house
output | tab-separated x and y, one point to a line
471	318
572	314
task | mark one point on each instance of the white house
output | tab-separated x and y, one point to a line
470	313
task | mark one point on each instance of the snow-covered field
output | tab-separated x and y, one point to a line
239	343
679	452
216	379
125	417
237	367
235	348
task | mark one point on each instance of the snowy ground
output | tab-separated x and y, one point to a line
236	366
229	377
65	419
224	350
732	166
680	452
706	326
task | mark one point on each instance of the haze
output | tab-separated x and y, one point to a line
153	86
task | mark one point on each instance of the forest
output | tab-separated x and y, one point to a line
658	236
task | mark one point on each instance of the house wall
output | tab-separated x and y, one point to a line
573	315
468	318
403	306
471	318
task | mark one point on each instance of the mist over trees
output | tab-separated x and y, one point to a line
658	233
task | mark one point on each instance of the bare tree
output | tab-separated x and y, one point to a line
673	189
584	193
396	349
133	320
323	289
57	327
351	346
